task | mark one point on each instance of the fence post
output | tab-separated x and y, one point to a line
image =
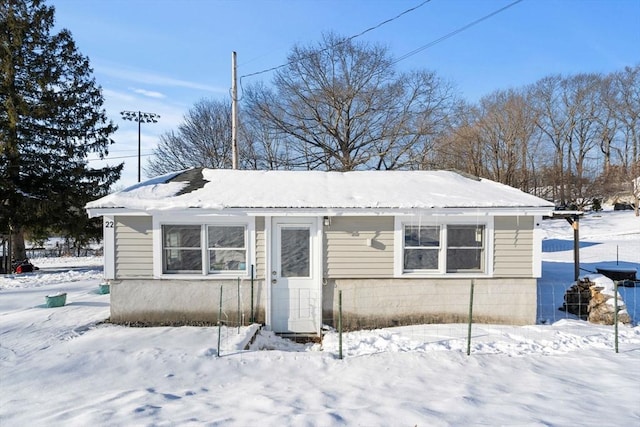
615	313
220	321
470	319
238	305
252	319
340	324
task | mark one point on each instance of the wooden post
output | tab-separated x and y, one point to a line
574	220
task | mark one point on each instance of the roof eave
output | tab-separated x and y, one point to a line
96	212
328	211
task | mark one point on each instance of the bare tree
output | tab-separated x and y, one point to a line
341	106
267	147
581	99
608	120
553	123
627	88
461	148
202	140
569	113
506	126
496	139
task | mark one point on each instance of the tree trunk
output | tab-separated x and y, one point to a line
18	249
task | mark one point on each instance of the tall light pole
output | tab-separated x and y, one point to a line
140	117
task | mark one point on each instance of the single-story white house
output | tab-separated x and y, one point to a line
402	246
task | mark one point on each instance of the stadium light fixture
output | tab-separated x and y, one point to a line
140	117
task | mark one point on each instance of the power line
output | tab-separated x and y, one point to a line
119	157
341	42
453	33
127	150
407	55
375	27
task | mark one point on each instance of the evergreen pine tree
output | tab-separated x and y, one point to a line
51	119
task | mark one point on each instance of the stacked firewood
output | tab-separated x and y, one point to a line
576	299
593	301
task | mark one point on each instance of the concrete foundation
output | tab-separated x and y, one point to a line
175	302
366	303
378	303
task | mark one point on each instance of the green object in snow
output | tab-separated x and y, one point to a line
104	288
57	300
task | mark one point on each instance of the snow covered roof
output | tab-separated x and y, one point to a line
219	189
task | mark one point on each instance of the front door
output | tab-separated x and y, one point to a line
296	305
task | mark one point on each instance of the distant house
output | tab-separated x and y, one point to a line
403	246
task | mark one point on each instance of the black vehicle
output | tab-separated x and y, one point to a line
22	266
623	207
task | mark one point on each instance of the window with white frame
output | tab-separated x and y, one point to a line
465	248
421	247
227	248
181	249
204	249
444	248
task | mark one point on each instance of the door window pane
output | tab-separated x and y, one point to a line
295	251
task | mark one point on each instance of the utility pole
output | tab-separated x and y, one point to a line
234	113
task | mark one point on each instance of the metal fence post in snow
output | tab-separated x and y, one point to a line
252	318
340	324
615	313
470	320
238	305
220	321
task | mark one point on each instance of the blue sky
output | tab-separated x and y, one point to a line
162	56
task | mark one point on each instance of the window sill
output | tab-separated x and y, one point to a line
219	276
440	275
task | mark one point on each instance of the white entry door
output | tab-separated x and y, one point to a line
296	304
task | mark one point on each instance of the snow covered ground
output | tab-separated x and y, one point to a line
62	366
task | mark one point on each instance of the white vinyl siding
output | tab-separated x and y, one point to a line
513	247
359	247
133	247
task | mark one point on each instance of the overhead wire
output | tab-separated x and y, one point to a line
106	158
407	55
401	58
453	33
341	42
